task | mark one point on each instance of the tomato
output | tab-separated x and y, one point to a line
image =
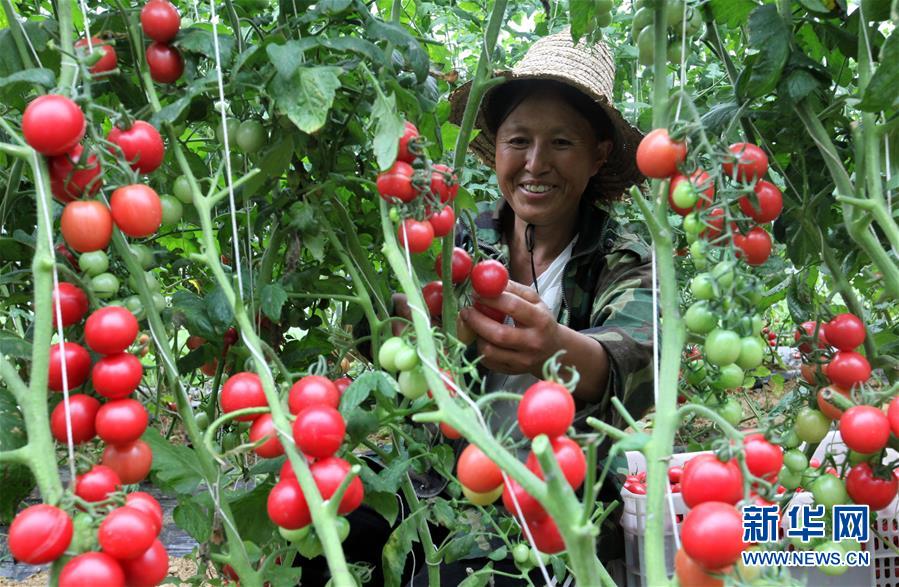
795	460
121	421
866	488
695	193
130	461
546	535
410	132
829	491
342	384
520	553
82	411
53	124
763	459
165	63
136	210
110	330
570	457
477	472
396	182
731	411
675	472
312	390
160	20
78	365
545	408
126	533
444	183
530	507
658	156
433	295
700	318
406	358
865	429
722	347
72	301
828	409
415	235
845	332
752	352
489	278
893	415
149	569
448	431
461	265
318	431
729	377
751	161
143	501
97	484
262	428
482	499
86	225
442	222
412	383
706	478
251	136
808	329
712	535
106	286
40	534
141	145
690	574
181	190
295	535
71	177
329	473
702	286
92	568
107	62
811	425
117	376
492	313
287	505
713	224
848	368
754	247
768	205
172	210
229	131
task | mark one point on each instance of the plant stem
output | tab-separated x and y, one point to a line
847	292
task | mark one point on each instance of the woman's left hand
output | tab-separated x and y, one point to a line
522	348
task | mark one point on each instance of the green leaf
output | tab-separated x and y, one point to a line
815	6
389	128
249	509
384	503
360	424
768	33
199	40
355	45
881	91
334	6
362	387
286	58
16	480
175	468
459	547
441	512
798	84
499	554
193	518
733	13
12	345
387	480
219	309
396	34
397	549
40	77
193	309
272	300
481	578
306	97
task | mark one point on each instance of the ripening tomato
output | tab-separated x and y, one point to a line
695	193
318	431
110	330
432	292
403	152
329	473
449	432
92	568
165	63
126	533
763	459
808	329
848	368
751	161
477	472
131	461
121	421
396	182
444	183
865	429
286	505
546	535
845	332
71	177
148	569
828	409
53	124
712	535
72	302
442	222
690	574
136	210
97	484
864	487
415	235
768	205
754	247
82	412
78	366
489	278
545	408
143	501
86	225
141	145
482	499
658	156
160	20
264	428
461	265
243	390
530	507
706	478
117	376
40	534
312	390
570	457
107	62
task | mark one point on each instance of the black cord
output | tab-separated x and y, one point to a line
530	242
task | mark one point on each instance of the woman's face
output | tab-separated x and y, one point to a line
546	151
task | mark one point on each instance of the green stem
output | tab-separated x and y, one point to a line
68	67
18	34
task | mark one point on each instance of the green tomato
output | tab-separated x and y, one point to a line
202	420
230	441
729	377
724	274
602	20
700	318
752	352
856	458
692	223
105	285
699	249
159	301
413	383
675	53
251	136
149	279
694	23
388	352
232	125
832	570
182	191
722	347
790	439
795	460
757	325
406	358
93	263
642	19
674	15
645	46
731	411
789	479
294	535
144	255
172	209
703	287
601	6
811	425
696	372
343	527
809	476
685	195
134	305
521	553
536	557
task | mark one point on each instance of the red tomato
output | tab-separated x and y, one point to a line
72	302
141	146
64	251
107	62
97	484
148	569
546	535
675	472
444	182
165	63
754	247
318	431
403	153
396	182
342	384
461	265
893	415
110	330
160	20
752	163
702	185
117	376
492	313
329	473
86	225
763	459
287	505
571	461
449	431
433	294
130	461
121	421
827	408
769	203
714	224
143	501
53	124
312	390
712	535
72	178
136	210
865	429
658	156
708	479
690	574
92	568
82	411
866	488
264	427
807	329
442	222
243	390
477	472
530	507
489	278
126	533
40	534
230	337
845	331
545	408
195	342
415	235
847	368
78	365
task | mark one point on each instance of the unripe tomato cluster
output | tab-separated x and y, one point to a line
643	33
160	21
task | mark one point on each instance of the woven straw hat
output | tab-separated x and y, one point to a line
589	69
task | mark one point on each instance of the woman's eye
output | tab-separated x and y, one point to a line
563	142
518	141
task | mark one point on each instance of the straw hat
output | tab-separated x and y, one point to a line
589	69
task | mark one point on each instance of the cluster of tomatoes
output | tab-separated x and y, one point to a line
643	33
420	190
127	535
160	21
121	420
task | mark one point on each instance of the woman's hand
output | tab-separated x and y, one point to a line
401	309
